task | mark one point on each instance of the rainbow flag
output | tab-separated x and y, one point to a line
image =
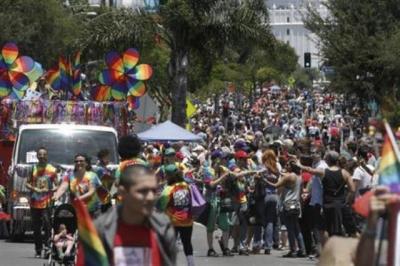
93	252
389	167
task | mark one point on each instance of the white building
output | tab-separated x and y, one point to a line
150	5
286	20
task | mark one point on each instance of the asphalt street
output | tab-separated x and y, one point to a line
22	254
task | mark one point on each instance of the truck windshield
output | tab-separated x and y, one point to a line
63	145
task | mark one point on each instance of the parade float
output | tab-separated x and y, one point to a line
66	122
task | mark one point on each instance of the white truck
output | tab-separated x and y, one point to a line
62	141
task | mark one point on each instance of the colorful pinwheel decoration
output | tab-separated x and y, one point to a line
133	102
16	72
101	93
123	75
67	75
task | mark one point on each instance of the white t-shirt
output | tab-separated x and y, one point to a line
363	177
259	154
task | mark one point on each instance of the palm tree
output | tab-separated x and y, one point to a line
187	27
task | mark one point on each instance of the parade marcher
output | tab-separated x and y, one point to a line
212	177
240	204
316	191
334	180
256	213
41	184
129	148
131	232
106	178
175	201
226	204
271	229
168	158
83	183
241	168
291	184
363	174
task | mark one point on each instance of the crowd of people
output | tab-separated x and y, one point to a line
278	172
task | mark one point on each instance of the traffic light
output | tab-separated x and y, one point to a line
307	60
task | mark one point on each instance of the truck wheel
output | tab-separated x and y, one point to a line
15	234
17	237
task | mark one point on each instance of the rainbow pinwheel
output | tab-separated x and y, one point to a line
100	93
124	76
67	75
16	73
133	102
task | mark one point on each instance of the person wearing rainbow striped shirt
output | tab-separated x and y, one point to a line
41	184
129	148
83	183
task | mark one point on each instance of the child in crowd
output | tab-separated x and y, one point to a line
63	242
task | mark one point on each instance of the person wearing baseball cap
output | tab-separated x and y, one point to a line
168	158
241	155
175	201
213	177
171	157
243	167
169	152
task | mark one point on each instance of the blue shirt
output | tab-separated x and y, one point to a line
316	186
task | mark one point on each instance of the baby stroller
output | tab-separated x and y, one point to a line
63	214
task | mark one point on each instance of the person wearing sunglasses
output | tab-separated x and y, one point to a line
83	183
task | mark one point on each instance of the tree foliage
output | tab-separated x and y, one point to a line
193	31
353	40
43	29
260	64
304	77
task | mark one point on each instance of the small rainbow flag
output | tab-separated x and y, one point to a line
389	167
92	248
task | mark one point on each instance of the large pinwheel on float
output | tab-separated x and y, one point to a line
123	78
16	72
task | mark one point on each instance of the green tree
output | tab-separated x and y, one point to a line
191	29
267	74
265	64
42	29
351	39
257	65
304	77
221	75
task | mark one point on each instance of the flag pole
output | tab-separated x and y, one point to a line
389	132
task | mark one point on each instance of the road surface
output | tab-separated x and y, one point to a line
22	254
